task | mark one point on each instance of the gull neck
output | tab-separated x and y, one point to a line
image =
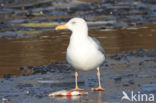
81	33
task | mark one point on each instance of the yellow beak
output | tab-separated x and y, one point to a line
60	27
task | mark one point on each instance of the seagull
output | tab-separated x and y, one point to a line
83	52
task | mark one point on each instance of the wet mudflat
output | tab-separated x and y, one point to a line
51	46
27	19
27	31
127	71
31	49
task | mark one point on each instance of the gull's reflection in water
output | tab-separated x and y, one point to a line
66	99
92	97
99	97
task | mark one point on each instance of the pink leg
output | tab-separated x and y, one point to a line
76	84
99	80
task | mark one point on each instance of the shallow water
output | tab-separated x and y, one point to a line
51	46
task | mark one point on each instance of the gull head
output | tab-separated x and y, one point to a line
74	24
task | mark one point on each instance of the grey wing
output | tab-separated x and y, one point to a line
98	44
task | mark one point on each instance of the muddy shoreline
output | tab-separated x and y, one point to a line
51	46
30	52
126	71
27	19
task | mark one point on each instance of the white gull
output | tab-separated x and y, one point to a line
83	52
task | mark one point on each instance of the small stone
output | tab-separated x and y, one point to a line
106	65
125	85
7	76
26	92
117	78
24	85
4	100
131	82
141	63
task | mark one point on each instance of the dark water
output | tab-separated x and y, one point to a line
51	46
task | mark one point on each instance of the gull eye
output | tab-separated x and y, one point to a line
73	22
